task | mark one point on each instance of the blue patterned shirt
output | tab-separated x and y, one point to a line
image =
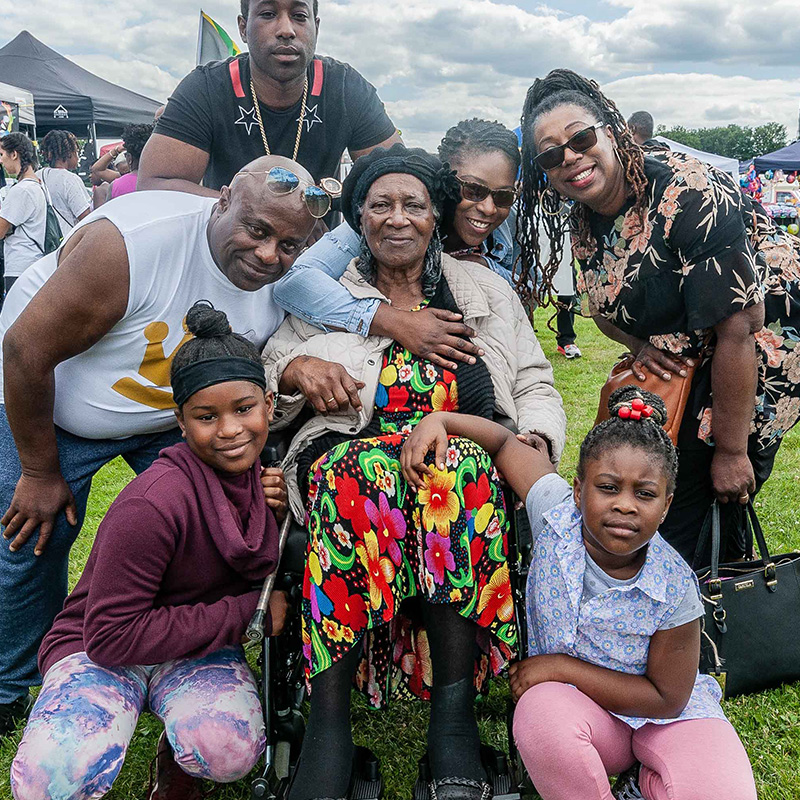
612	629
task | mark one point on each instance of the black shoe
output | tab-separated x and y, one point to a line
11	712
459	789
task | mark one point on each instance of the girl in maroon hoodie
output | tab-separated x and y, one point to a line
172	581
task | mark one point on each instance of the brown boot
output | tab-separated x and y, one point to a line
170	782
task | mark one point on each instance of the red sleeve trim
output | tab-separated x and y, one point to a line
316	88
236	78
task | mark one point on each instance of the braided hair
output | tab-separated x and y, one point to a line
59	146
540	204
646	433
20	144
213	338
135	137
479	136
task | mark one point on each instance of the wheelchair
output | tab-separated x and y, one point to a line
282	680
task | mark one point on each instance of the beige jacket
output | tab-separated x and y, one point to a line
522	376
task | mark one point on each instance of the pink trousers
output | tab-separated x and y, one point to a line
570	745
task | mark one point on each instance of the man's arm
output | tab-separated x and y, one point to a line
393	139
173	165
83	299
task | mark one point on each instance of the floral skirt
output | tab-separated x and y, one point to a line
377	546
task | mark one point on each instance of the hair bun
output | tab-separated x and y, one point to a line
204	321
624	397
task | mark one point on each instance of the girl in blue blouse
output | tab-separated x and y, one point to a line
611	682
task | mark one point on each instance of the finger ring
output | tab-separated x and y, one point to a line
744	497
332	400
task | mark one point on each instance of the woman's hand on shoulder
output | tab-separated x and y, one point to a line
435	334
326	385
429	434
274	485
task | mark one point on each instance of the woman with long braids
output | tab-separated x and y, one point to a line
68	195
23	215
682	268
404	588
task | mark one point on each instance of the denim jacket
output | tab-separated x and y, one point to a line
312	292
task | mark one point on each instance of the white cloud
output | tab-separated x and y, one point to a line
438	61
702	100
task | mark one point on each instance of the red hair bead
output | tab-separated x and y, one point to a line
647	411
637	404
624	412
636	414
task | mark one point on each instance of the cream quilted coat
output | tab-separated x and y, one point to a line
522	376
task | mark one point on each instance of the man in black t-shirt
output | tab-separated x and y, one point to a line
211	126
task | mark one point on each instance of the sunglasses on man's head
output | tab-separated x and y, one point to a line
579	142
282	181
478	192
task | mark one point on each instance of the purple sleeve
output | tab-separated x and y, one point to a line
122	626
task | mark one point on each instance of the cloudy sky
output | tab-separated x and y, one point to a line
689	62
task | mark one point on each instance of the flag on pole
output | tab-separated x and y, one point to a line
213	43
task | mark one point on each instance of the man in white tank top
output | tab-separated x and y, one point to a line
87	348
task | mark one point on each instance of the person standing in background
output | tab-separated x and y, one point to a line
642	127
23	215
67	192
134	138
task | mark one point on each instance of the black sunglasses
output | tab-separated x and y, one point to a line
477	192
579	142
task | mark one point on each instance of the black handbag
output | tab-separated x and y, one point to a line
750	638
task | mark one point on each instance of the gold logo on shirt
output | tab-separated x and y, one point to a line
154	368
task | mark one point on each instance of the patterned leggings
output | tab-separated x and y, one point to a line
79	729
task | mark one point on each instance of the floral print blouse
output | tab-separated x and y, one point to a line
705	252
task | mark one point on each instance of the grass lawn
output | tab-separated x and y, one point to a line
768	723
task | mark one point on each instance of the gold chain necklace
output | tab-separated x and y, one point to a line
299	125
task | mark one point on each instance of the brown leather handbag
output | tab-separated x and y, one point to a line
674	392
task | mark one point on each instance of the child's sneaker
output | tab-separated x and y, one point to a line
627	785
570	351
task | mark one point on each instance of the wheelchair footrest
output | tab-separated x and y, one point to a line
498	774
366	783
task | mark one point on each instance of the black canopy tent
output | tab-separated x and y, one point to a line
787	159
67	96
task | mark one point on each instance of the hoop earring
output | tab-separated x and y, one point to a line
548	193
619	158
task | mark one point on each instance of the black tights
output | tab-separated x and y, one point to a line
453	738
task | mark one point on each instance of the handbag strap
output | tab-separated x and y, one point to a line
711	525
755	526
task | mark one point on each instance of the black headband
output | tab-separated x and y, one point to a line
211	371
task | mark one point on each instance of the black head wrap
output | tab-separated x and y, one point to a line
439	179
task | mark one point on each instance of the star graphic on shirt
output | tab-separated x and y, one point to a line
311	118
247	118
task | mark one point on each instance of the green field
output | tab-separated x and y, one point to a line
768	723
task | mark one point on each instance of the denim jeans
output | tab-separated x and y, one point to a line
33	588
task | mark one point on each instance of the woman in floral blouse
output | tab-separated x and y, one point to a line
404	588
682	268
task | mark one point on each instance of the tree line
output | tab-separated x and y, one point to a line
734	141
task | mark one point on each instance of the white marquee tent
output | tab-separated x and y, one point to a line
729	165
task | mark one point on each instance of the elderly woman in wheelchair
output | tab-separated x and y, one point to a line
405	591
